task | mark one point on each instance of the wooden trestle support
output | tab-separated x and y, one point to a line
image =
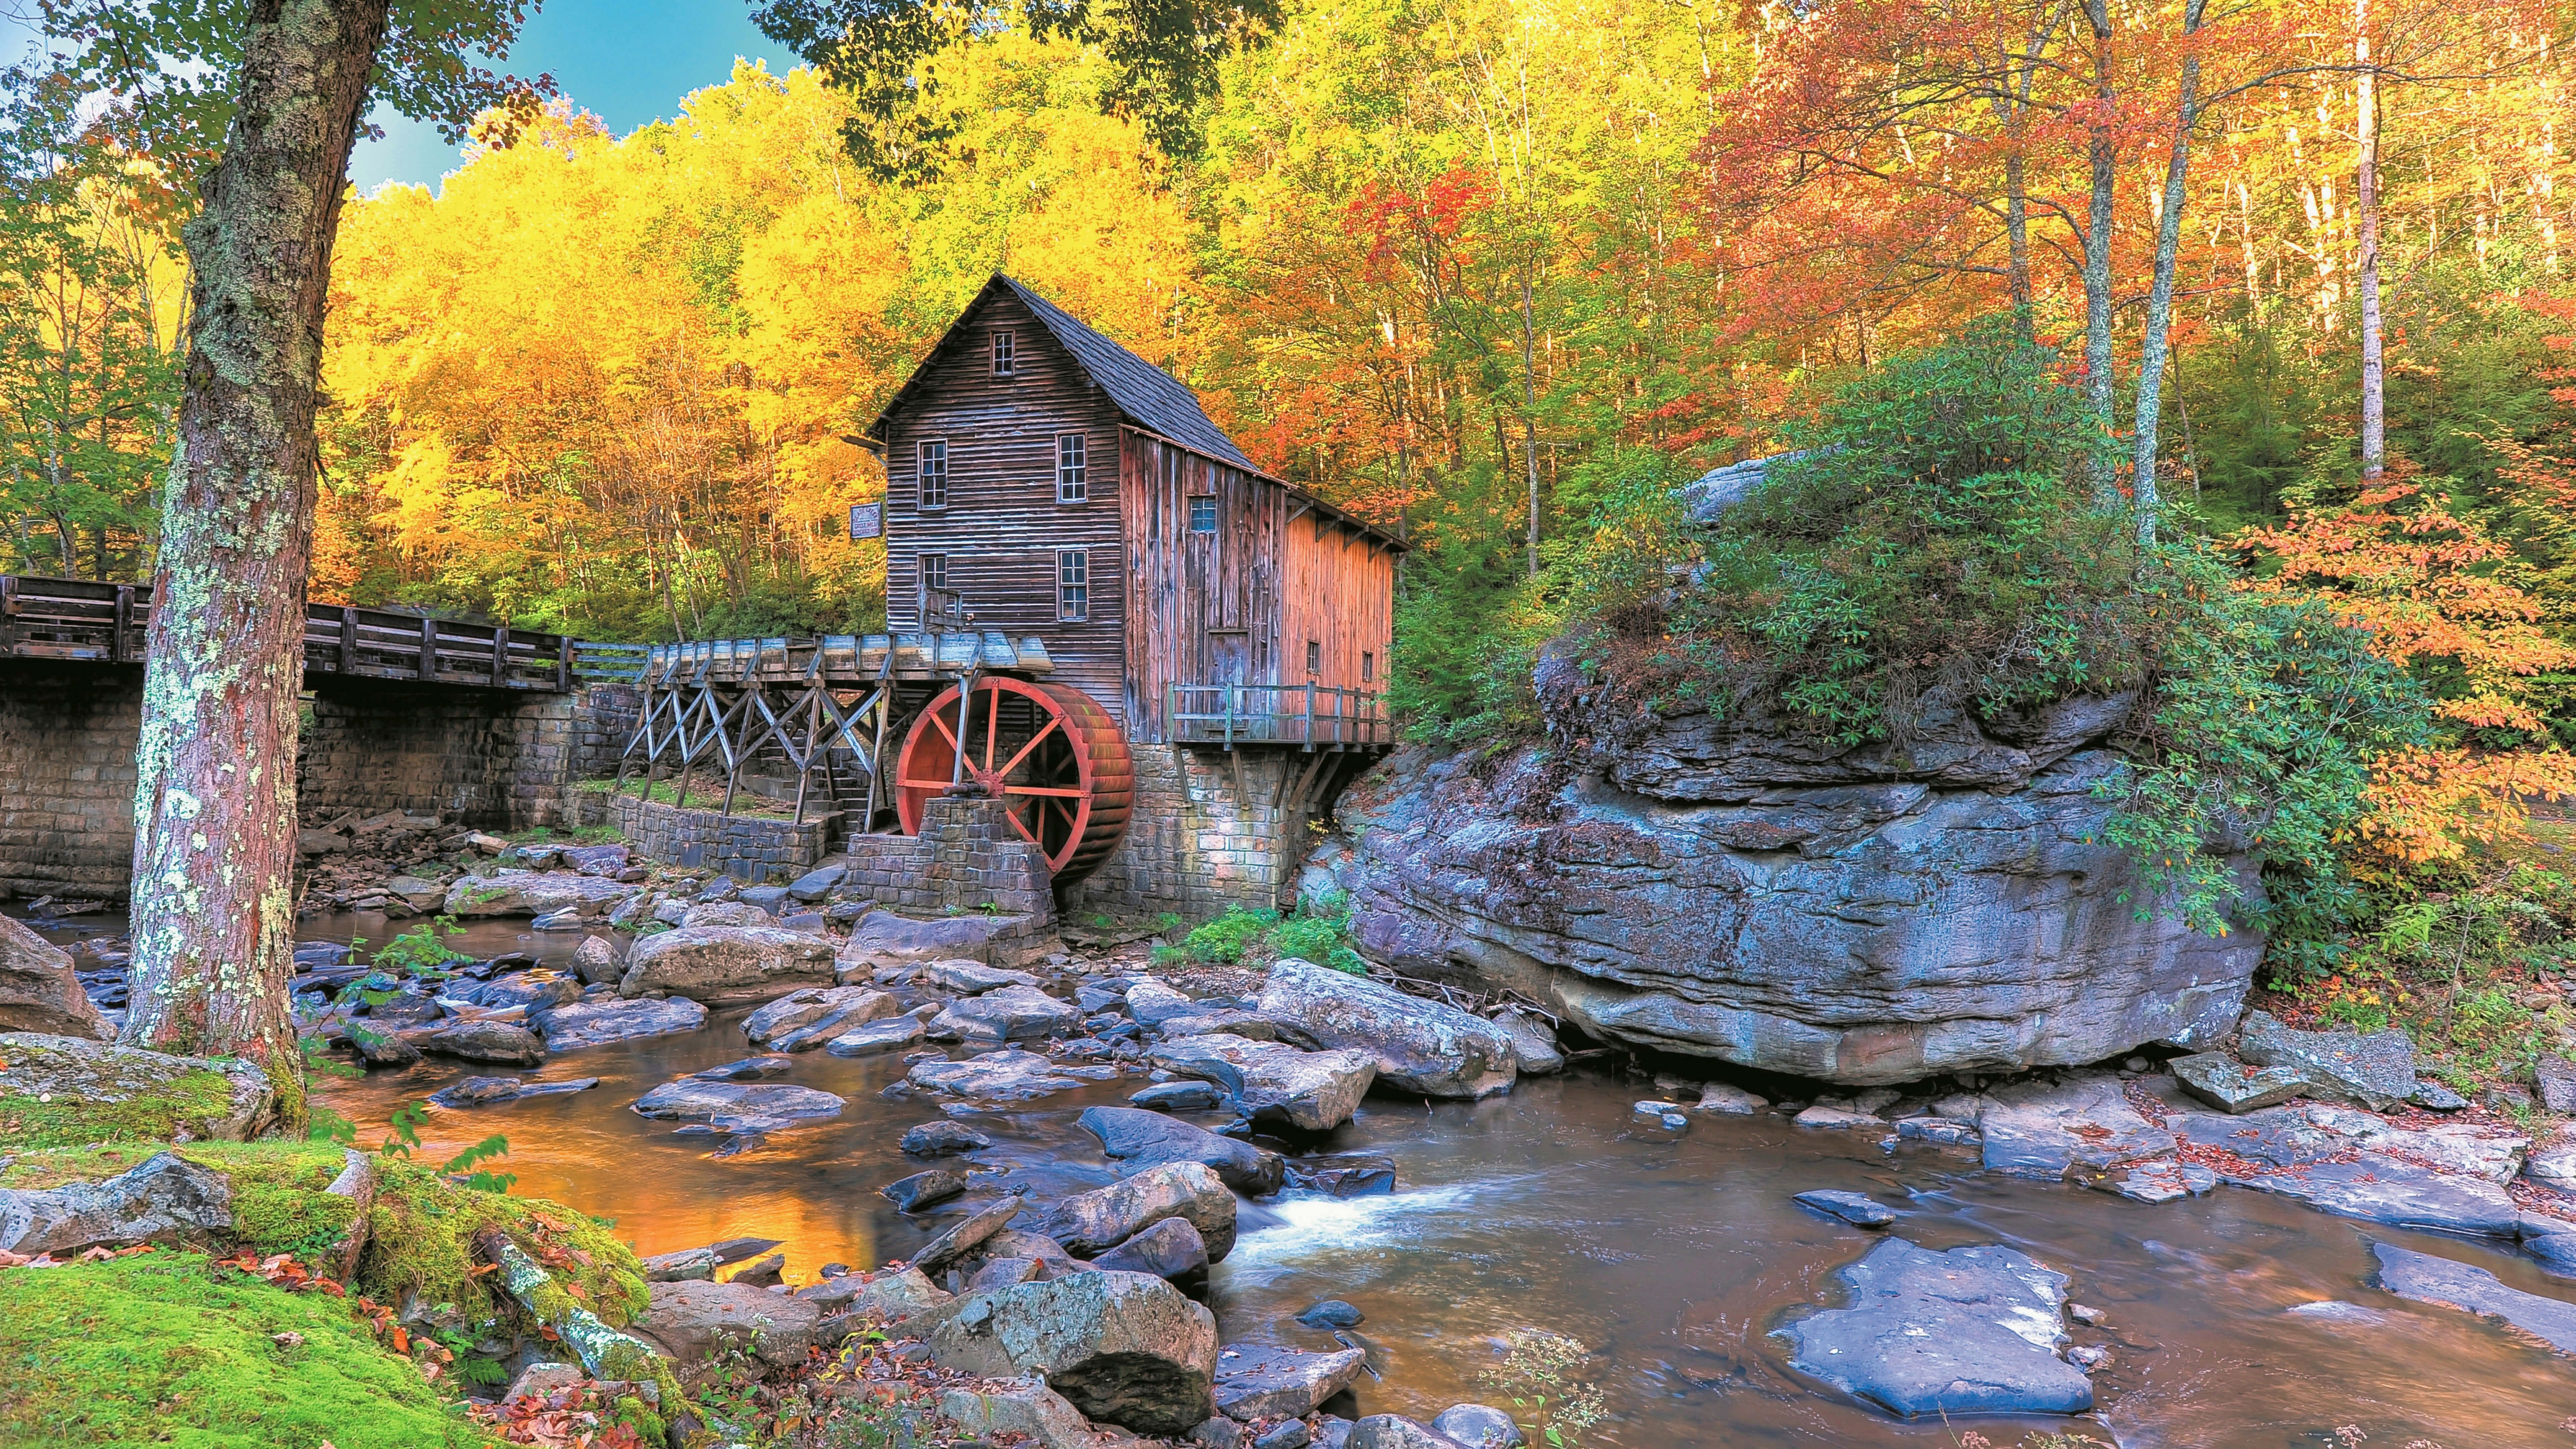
1050	752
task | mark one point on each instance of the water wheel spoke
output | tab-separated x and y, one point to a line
946	729
1052	722
1067	793
992	725
1017	824
923	784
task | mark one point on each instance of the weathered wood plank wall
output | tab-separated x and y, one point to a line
1201	605
1340	596
1002	527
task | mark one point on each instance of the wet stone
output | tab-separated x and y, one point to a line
944	1139
887	1034
1476	1426
1332	1313
749	1069
1971	1331
2424	1278
1179	1097
598	1022
924	1189
493	1091
2163	1179
1857	1209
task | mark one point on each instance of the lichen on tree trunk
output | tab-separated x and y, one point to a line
214	803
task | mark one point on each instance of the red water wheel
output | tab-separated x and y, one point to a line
1048	752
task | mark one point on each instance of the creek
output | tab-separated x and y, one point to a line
1673	1258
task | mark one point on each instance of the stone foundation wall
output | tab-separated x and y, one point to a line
494	759
489	758
1202	839
746	847
967	857
67	777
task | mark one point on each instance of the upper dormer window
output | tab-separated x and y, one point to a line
1006	354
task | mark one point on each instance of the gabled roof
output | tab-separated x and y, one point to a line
1150	398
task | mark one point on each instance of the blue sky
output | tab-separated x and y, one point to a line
626	61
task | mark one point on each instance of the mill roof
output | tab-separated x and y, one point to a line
1150	398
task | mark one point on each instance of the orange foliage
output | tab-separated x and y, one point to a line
2434	590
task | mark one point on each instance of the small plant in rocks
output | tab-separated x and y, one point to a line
1539	1372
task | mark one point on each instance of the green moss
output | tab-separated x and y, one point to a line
193	1102
421	1239
162	1350
420	1232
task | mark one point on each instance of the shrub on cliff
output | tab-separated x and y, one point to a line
1933	540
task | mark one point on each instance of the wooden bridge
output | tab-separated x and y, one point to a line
75	619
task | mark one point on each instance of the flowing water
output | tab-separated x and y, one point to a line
1674	1259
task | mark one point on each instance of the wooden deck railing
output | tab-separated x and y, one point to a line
76	619
1308	716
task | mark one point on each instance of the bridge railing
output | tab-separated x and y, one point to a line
78	619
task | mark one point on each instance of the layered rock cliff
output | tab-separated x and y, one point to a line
1869	915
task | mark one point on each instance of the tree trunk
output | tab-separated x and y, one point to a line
214	794
2103	148
2151	350
1529	410
2374	378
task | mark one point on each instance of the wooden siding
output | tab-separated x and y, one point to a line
1194	596
1003	526
1340	594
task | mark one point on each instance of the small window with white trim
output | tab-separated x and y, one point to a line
930	473
1006	355
1072	468
1072	585
934	571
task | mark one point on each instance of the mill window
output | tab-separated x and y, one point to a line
1203	514
1314	656
1368	666
930	473
1006	355
1072	467
1072	585
934	571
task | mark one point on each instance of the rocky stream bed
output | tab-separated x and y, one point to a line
1752	1260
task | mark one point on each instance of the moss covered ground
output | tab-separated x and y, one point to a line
167	1349
99	1104
421	1229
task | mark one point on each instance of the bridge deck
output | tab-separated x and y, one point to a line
76	619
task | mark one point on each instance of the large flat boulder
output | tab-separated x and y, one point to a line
39	991
1970	1331
814	1016
531	893
1009	1075
2047	1129
1311	1091
1865	916
883	936
1127	1348
1283	1383
501	1043
2471	1289
701	962
598	1021
1007	1013
737	1106
166	1198
693	1321
2376	1071
1141	1139
1091	1223
1420	1045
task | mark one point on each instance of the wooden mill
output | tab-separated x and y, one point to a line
1079	564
